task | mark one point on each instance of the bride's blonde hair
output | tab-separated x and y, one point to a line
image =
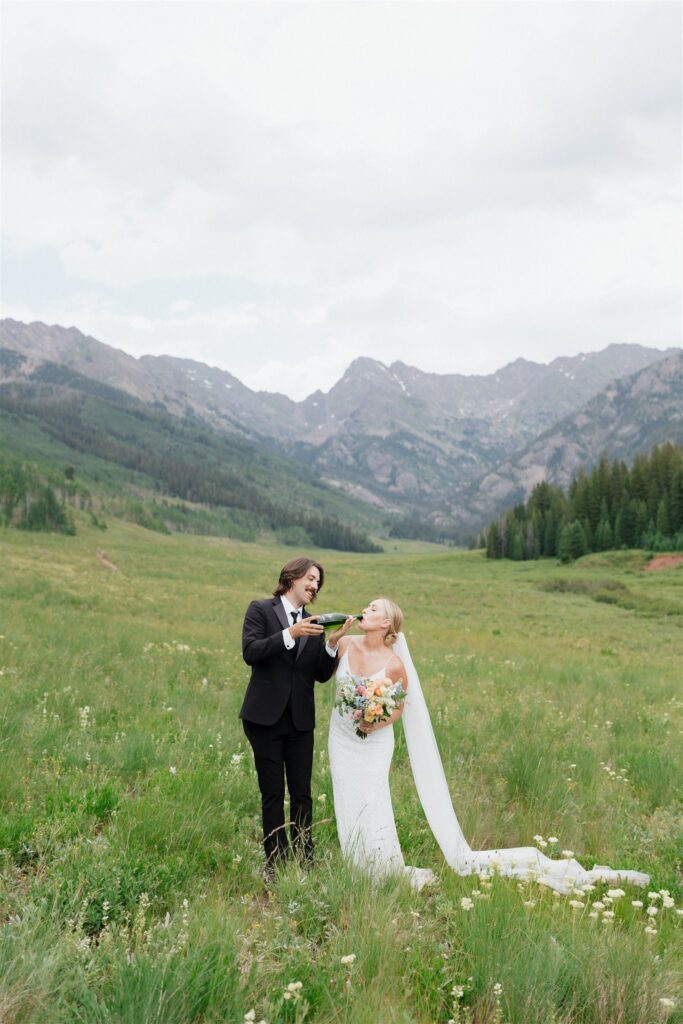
395	617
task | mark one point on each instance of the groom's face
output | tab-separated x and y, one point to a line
305	588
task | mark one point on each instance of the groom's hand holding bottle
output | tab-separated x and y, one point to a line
305	627
309	627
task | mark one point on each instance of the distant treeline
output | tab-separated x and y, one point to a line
612	507
182	457
36	499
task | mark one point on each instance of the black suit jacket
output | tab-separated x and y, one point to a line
278	674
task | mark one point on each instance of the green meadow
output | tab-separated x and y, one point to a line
130	858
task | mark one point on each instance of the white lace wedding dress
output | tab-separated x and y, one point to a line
365	816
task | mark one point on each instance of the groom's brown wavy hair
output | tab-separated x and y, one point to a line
294	570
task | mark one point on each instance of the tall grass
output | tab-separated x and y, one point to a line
130	862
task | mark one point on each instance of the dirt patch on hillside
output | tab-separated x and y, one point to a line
660	562
106	561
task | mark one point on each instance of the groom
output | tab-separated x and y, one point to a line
287	652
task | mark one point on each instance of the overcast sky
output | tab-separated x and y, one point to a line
277	188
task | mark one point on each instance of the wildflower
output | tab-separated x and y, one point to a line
653	896
608	915
636	903
350	958
529	903
650	931
652	911
577	904
598	905
542	843
236	758
250	1015
538	839
466	903
567	853
293	990
173	770
667	1004
667	901
498	990
553	839
322	798
594	914
458	991
614	894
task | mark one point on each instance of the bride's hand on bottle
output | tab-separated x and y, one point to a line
334	638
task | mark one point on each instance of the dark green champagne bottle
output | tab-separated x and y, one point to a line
334	620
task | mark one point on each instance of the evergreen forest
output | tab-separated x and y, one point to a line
613	506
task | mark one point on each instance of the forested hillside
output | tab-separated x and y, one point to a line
142	452
613	506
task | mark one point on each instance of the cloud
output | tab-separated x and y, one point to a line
455	184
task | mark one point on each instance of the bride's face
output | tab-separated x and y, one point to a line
374	617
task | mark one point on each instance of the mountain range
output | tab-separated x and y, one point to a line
443	451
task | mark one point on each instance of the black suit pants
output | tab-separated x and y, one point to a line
278	750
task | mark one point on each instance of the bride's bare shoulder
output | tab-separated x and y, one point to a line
396	670
344	644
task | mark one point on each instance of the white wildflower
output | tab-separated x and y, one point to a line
636	903
350	958
576	904
173	770
466	903
293	990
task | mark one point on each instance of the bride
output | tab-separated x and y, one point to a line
360	775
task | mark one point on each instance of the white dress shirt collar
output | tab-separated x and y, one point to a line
289	607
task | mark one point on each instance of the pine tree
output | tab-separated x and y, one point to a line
577	543
662	521
565	544
493	545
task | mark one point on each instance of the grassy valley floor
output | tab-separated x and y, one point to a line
130	864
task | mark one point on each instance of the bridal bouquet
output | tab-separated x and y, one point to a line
369	700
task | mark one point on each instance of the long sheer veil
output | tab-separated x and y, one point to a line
566	875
